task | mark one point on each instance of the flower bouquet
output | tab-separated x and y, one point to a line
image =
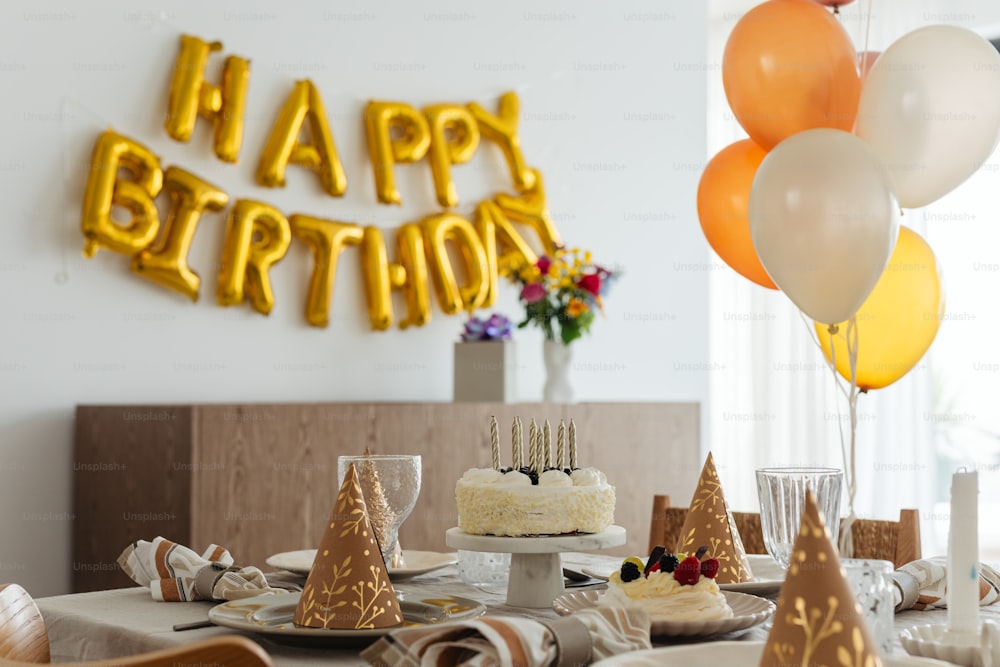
561	292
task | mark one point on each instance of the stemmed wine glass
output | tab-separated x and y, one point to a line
782	495
390	484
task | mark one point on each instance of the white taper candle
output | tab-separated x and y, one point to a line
963	555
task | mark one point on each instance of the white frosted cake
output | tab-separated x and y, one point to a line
670	587
494	502
550	495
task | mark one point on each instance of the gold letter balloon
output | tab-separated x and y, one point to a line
257	236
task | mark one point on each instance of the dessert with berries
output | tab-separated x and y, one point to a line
674	587
549	496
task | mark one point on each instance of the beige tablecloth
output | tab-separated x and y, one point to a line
113	624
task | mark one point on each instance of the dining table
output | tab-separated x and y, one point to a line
108	624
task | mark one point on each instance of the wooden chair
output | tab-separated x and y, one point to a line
25	643
896	541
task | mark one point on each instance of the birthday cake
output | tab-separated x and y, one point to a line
548	496
669	587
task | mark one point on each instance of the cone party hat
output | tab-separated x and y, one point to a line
817	620
348	587
709	523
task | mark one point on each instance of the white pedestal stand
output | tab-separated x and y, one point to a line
536	577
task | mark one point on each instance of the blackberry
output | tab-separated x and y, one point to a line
668	562
630	572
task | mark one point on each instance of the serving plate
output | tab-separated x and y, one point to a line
715	654
417	562
748	611
768	576
272	615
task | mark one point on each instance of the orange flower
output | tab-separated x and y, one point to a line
576	307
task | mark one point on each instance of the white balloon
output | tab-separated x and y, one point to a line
930	107
824	221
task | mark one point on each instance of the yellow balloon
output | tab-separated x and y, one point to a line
326	238
512	251
104	190
454	139
385	151
283	145
501	129
378	289
438	230
191	96
167	264
898	321
531	209
411	275
257	236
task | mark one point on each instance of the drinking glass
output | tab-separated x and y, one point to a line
782	495
871	583
390	484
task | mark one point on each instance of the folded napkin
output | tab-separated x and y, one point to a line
494	641
923	584
175	573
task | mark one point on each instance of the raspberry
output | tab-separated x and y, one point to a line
630	571
688	571
710	567
668	562
654	568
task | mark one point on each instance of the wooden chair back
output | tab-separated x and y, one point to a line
896	541
22	628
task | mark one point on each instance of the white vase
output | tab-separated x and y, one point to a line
558	360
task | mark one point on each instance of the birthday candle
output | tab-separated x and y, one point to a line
532	448
547	447
517	436
572	444
963	554
561	445
495	442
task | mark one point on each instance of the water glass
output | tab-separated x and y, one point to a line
782	495
390	484
484	569
871	583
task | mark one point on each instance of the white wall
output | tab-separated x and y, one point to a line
613	113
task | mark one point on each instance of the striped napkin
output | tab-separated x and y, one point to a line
923	584
175	573
495	641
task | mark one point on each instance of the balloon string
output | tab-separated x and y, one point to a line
831	361
868	27
846	531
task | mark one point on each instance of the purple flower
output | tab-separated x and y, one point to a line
532	292
496	327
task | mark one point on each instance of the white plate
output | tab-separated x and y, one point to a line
716	654
272	615
417	562
748	611
768	576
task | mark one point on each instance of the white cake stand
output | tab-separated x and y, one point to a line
536	577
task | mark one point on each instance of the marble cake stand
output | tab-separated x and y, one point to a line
536	577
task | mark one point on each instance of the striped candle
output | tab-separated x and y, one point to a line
561	445
495	441
547	447
532	449
572	444
517	436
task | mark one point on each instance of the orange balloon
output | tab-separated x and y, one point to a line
790	66
723	200
898	321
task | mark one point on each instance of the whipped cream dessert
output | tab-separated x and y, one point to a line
669	588
516	503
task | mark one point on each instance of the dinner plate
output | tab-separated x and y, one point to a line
417	562
768	576
748	611
714	654
272	615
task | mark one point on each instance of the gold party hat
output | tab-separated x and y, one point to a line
348	587
710	523
817	621
379	511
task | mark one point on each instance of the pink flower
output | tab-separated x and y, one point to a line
590	282
532	292
543	264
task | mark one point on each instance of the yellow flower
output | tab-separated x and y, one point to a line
575	308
